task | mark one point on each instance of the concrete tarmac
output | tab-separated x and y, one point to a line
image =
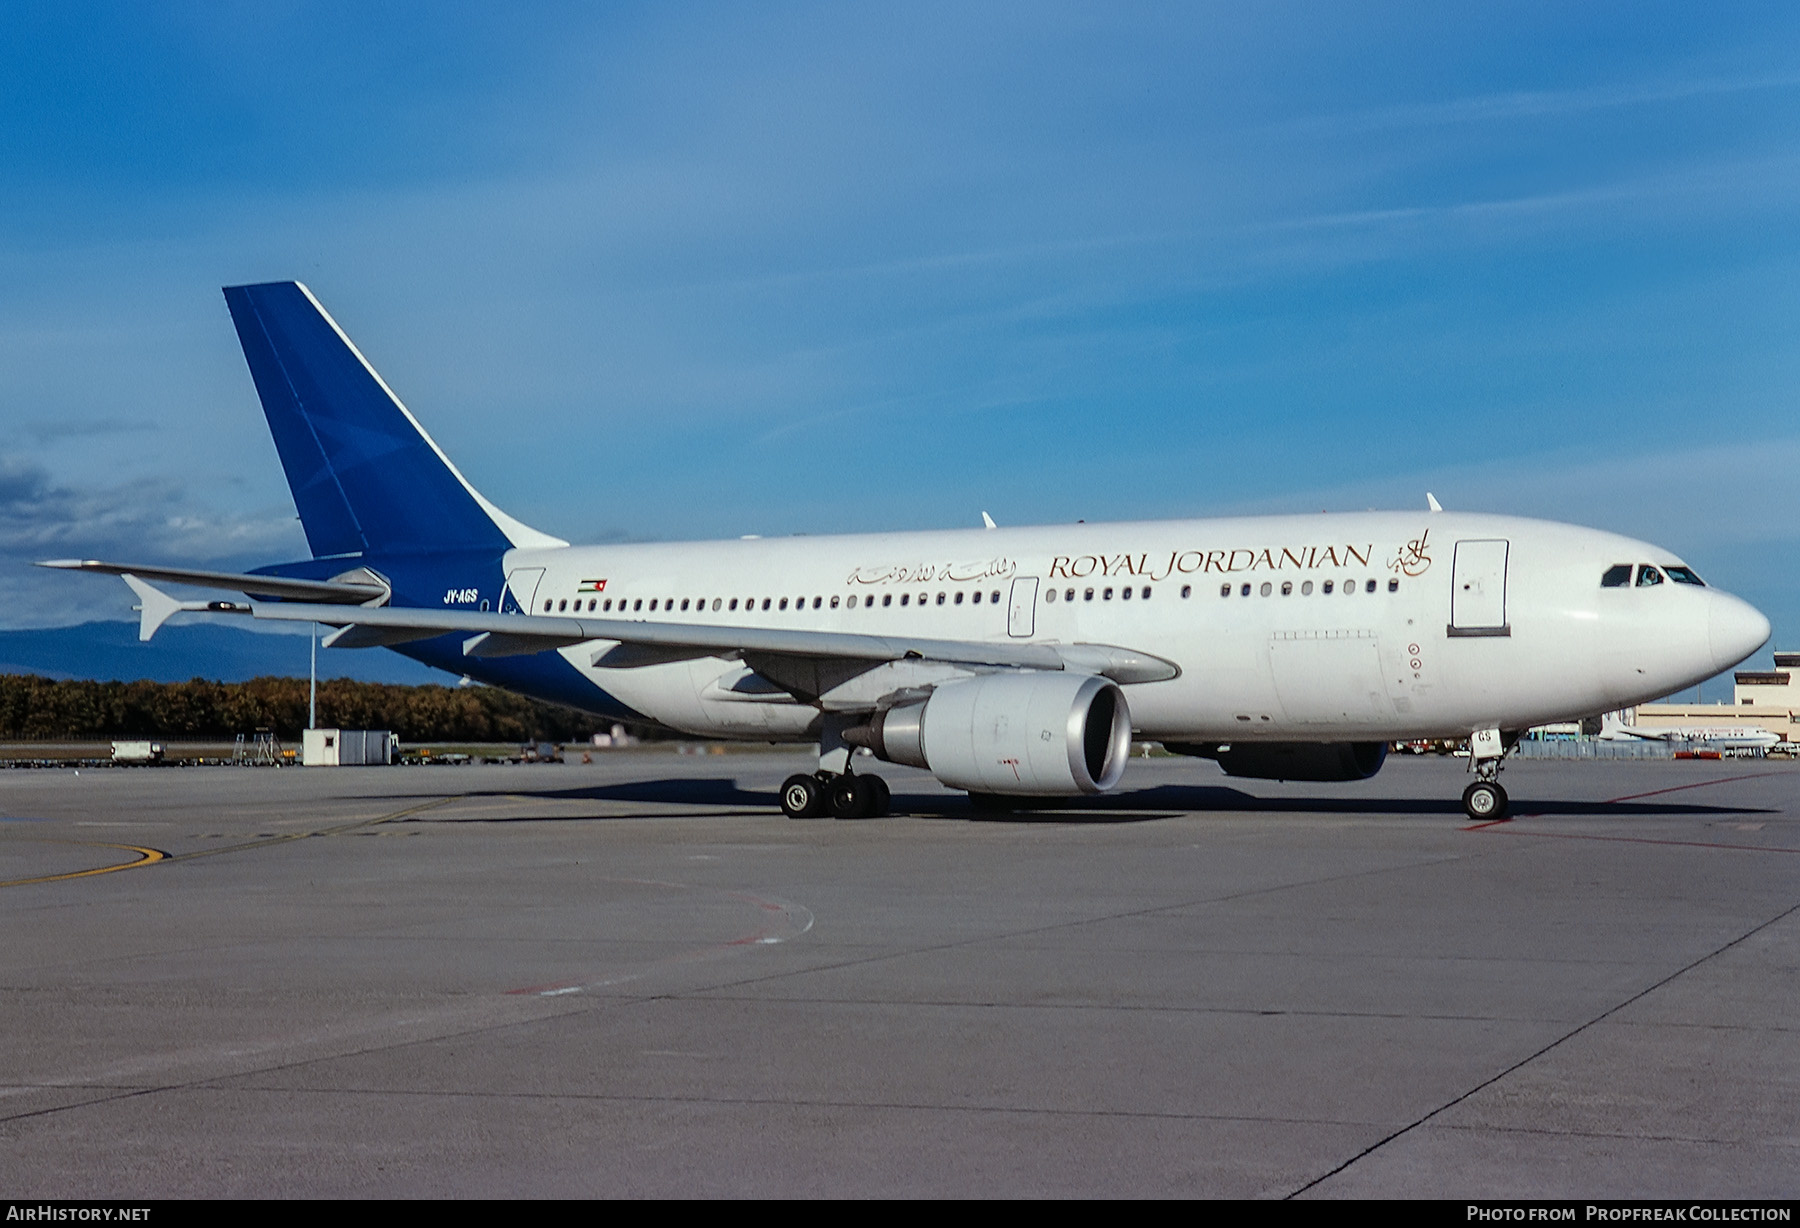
637	978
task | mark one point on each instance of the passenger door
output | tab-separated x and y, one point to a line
1478	589
521	590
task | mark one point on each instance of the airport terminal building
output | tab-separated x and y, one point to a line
1766	698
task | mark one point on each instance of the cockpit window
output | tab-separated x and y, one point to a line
1617	576
1647	576
1682	575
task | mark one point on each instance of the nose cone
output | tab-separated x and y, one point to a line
1735	629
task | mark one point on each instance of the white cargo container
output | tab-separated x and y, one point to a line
137	752
346	747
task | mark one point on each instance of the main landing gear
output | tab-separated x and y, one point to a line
841	795
1485	801
834	789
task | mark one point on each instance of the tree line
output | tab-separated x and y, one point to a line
33	708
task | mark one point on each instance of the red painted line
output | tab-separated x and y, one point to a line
1692	844
1489	823
1701	784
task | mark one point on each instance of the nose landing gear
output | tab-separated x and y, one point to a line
1485	801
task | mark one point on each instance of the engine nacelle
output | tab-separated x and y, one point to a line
1028	734
1324	761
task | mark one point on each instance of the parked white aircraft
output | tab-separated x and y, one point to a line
1009	662
1712	737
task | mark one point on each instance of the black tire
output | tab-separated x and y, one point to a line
1485	802
851	797
884	797
802	797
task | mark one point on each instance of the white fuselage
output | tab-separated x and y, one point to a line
1377	625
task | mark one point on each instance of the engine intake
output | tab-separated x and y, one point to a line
1030	734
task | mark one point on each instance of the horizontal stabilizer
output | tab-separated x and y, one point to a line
237	582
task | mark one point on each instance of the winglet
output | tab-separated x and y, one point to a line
156	606
987	521
1432	503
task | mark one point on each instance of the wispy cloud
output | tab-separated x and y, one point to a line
156	521
1531	104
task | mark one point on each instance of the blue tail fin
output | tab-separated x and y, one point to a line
366	477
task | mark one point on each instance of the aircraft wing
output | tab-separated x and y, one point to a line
630	643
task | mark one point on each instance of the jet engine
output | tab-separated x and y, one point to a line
1029	734
1291	760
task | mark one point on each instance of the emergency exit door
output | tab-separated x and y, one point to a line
1478	589
1021	610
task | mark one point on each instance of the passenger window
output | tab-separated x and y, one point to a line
1681	575
783	603
1087	594
716	604
1068	595
637	605
1349	589
995	596
562	605
1617	576
834	603
1049	596
1287	588
1187	590
1394	585
1368	586
976	597
1325	588
1146	593
684	603
851	604
1648	576
959	597
887	599
546	605
819	601
733	604
765	603
1266	588
1224	590
1306	589
940	599
1244	591
1106	595
1125	592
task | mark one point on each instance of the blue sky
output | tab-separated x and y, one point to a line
676	271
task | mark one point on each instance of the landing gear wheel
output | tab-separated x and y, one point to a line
802	797
1485	802
883	797
852	797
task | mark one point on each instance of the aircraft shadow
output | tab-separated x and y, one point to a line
1141	805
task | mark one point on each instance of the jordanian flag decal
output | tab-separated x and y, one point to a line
592	586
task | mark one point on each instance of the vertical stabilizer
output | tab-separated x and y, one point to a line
364	474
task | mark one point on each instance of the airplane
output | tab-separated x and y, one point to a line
1712	737
1012	663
